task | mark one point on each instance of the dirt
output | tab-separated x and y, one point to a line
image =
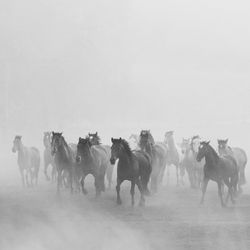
35	218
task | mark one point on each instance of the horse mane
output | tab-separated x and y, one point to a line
97	138
214	152
150	137
126	147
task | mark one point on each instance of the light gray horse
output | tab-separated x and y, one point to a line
239	155
28	161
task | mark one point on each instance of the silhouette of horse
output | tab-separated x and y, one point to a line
64	160
28	161
158	153
133	166
240	157
93	160
193	168
174	156
48	159
218	169
96	141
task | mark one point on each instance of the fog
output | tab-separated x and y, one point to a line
117	67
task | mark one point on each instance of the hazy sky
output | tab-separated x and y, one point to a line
74	62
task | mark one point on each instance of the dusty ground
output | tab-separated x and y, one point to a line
37	219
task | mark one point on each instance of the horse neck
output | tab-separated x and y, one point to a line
171	143
211	158
125	157
64	149
21	151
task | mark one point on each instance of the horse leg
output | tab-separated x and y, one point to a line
204	188
177	174
219	183
168	174
142	199
22	176
97	185
132	192
59	181
118	187
46	165
84	191
71	180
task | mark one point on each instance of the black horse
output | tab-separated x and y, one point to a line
92	160
133	166
219	169
64	159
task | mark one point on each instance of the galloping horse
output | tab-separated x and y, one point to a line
92	160
219	169
174	156
157	153
28	161
96	141
133	166
48	159
64	159
240	157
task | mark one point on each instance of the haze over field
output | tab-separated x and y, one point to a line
117	67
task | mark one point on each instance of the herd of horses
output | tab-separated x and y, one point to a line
140	160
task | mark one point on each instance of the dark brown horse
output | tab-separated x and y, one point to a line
92	160
95	140
64	160
219	169
239	155
28	161
158	155
133	166
48	158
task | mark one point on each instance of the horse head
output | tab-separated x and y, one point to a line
185	145
94	138
83	149
222	146
204	149
115	149
17	143
56	142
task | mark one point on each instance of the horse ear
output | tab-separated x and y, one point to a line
218	141
120	139
112	139
96	133
79	139
226	140
207	142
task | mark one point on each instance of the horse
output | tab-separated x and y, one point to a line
133	166
240	157
174	156
48	159
28	161
221	169
158	153
93	160
64	160
96	141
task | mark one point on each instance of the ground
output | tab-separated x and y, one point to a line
35	218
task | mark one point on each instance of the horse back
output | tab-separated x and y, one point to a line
100	154
228	165
240	156
144	161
